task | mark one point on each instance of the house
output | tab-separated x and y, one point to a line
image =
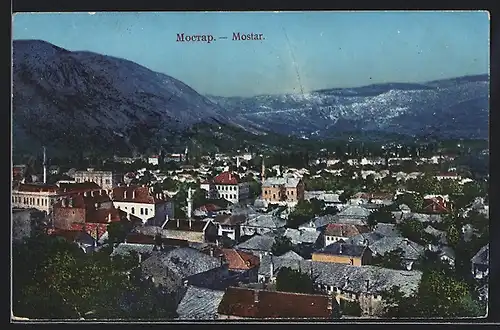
244	265
261	224
303	237
226	185
438	235
18	172
387	229
286	191
143	250
229	225
81	238
320	223
330	199
292	255
356	215
105	179
258	244
344	253
411	250
365	284
480	263
338	231
140	202
154	160
437	204
245	303
190	230
37	196
89	211
208	210
199	304
174	269
366	238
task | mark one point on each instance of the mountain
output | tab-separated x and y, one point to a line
85	101
450	108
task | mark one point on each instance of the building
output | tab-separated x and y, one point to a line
24	223
364	284
257	245
335	232
229	225
411	250
139	201
154	160
196	231
227	185
437	204
43	196
105	179
287	191
199	304
244	265
88	211
344	253
261	224
245	303
480	263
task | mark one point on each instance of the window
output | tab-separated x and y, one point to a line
38	201
133	210
291	192
142	211
126	207
13	200
146	211
274	196
108	181
265	192
352	261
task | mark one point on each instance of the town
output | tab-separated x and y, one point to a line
249	235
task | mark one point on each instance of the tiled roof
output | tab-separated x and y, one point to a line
291	255
199	304
482	256
345	230
73	235
79	187
226	178
356	212
138	194
257	243
273	304
411	250
324	220
184	225
36	187
230	220
240	260
343	249
347	277
124	249
183	261
370	237
387	229
286	182
266	221
298	236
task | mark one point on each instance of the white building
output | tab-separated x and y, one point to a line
226	185
35	196
138	201
105	179
153	160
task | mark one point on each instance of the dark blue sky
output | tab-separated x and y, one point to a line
328	49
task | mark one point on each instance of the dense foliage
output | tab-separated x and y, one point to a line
291	280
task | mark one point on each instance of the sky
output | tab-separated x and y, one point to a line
301	52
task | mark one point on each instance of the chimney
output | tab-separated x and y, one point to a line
44	166
189	223
177	222
271	270
256	296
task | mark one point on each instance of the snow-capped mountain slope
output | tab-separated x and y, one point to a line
447	108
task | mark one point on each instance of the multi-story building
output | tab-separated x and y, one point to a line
139	201
105	179
226	185
287	191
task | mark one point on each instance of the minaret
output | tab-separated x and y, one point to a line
44	166
189	205
237	161
263	171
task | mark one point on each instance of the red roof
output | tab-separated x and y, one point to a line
37	187
240	260
209	208
138	194
241	302
226	178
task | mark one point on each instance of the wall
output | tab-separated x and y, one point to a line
64	217
332	239
213	279
272	194
250	230
41	201
191	236
336	259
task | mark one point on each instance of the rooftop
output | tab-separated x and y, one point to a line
345	230
286	182
249	303
410	249
343	249
227	178
482	256
199	304
138	194
298	236
257	243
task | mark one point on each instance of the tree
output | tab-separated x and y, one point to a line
53	278
396	304
428	184
117	231
255	189
281	245
414	201
302	213
412	229
450	187
290	280
453	235
350	308
169	184
392	259
383	214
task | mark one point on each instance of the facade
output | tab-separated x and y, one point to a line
138	201
287	191
226	185
38	196
105	179
336	231
154	160
342	253
480	263
229	225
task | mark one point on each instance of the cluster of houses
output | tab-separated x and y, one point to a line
218	262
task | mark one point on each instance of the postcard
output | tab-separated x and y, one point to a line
250	166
